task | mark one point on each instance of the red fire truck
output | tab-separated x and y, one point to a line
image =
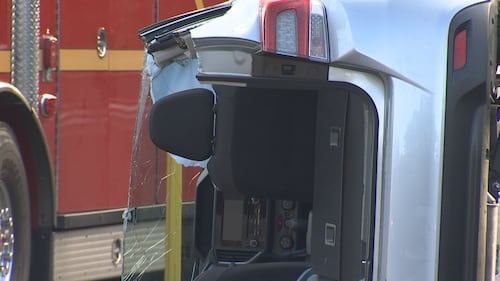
65	171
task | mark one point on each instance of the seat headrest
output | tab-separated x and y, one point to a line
182	123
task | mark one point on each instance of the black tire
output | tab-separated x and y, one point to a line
14	196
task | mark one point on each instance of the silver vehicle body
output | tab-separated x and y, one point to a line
398	53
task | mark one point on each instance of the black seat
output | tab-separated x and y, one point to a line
266	153
264	142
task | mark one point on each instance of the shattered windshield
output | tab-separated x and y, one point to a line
156	248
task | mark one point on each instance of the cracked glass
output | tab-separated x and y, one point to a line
156	248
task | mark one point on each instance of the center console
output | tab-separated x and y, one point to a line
251	229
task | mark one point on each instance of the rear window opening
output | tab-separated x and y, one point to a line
295	174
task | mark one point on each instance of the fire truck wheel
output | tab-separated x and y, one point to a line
15	231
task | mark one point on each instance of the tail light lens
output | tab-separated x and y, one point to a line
286	35
295	27
460	49
318	36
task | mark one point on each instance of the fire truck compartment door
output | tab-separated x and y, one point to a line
183	123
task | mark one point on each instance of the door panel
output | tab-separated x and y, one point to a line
98	100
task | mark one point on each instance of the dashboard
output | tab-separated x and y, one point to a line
252	229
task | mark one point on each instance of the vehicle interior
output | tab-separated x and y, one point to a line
289	189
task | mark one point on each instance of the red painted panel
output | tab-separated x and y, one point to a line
80	20
128	16
49	123
97	118
212	2
5	16
49	127
190	178
48	16
170	8
48	19
145	166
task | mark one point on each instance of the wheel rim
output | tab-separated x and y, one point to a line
6	235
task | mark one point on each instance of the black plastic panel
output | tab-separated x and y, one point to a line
344	186
203	220
264	142
272	65
326	240
462	235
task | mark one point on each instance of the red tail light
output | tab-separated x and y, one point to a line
460	50
294	27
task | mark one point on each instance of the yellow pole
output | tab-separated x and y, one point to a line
173	246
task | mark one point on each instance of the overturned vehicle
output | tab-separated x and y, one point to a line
338	140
